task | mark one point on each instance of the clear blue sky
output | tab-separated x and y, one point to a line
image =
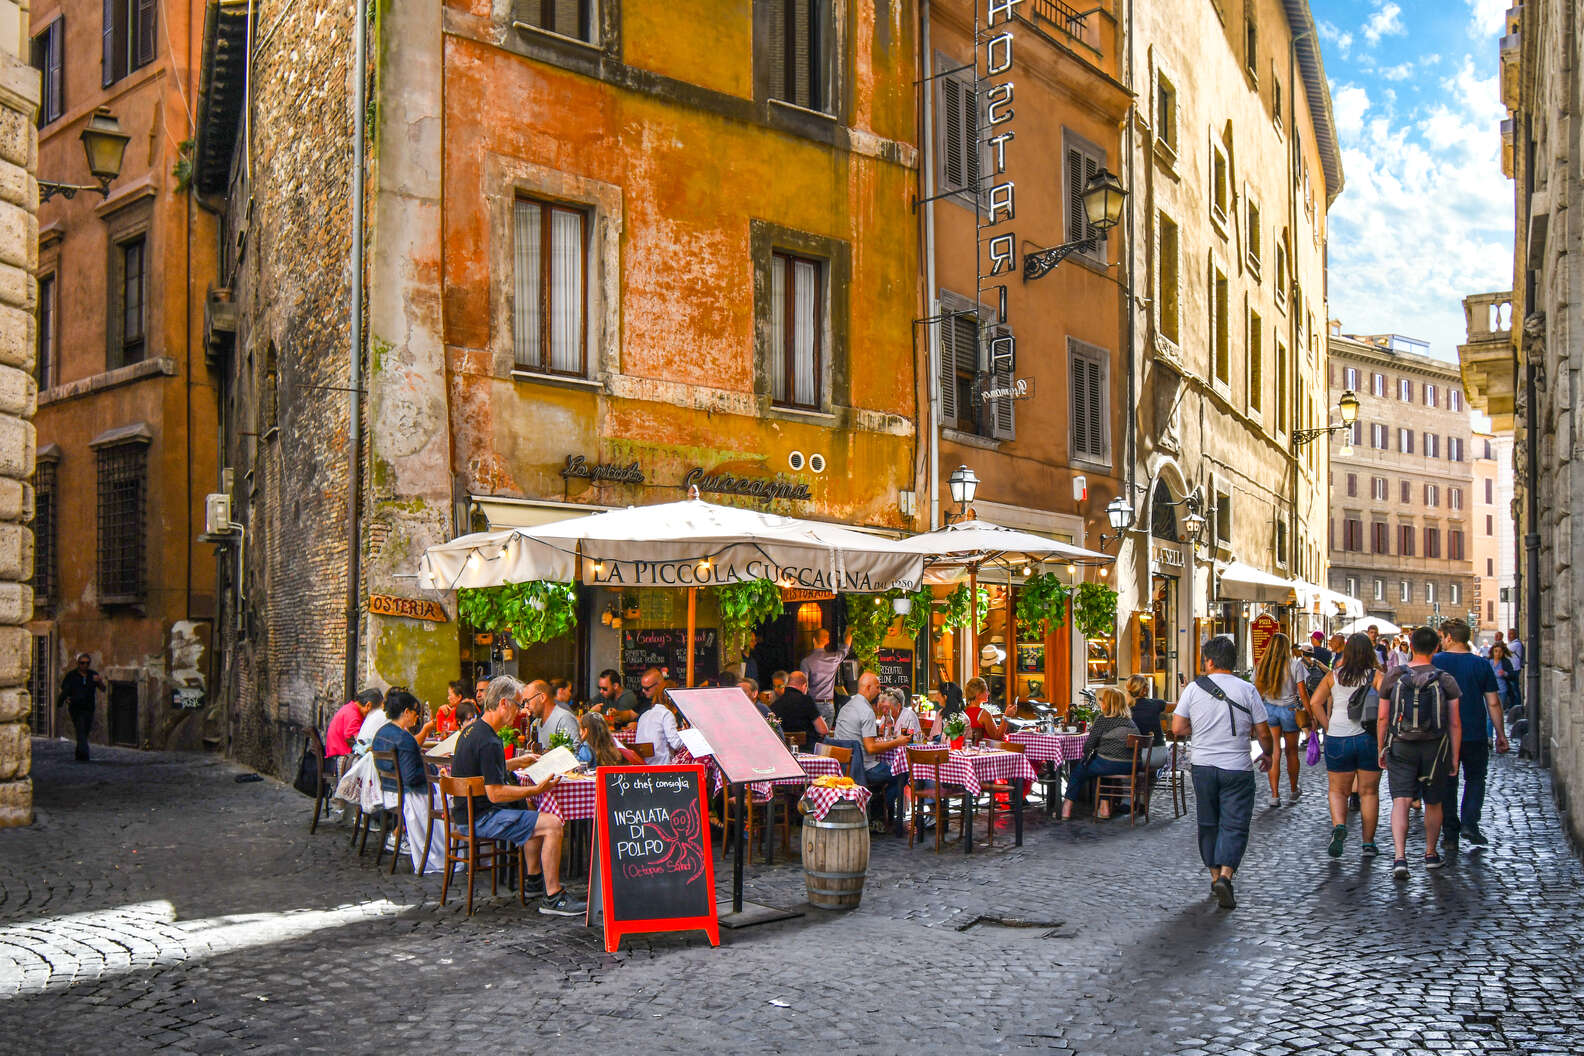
1425	216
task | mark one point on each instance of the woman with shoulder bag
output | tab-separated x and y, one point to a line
1280	681
1344	705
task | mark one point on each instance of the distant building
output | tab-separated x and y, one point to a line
1402	485
1495	561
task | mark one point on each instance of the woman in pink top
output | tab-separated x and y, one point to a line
343	729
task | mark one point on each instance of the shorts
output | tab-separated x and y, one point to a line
1418	769
513	826
1284	717
1344	755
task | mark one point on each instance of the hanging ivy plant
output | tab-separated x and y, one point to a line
1094	610
1041	605
869	617
918	617
957	607
529	612
744	606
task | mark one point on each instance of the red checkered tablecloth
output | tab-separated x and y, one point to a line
1055	748
627	735
972	768
819	800
572	799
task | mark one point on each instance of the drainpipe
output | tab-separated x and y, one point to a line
1294	460
931	295
355	368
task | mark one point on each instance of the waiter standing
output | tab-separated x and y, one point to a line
821	668
78	690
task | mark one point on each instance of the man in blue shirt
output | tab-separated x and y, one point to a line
1477	702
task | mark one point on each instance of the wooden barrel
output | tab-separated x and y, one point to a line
836	857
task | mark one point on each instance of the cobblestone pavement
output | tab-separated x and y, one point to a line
158	904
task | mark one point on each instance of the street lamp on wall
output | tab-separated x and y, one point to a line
1119	512
105	145
1347	410
1103	197
964	485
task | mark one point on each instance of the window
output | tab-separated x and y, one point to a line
1084	159
1432	495
1405	540
1490	566
961	152
1350	378
1405	390
1352	586
1281	387
1430	395
550	293
1356	434
797	52
1454	498
128	37
123	486
1455	546
1282	278
1167	278
1490	486
1378	489
568	18
129	322
44	358
1380	590
1090	407
1380	538
1455	448
966	371
1378	436
1251	47
1352	485
1353	534
1276	104
1490	525
48	58
1256	363
1490	452
797	317
1490	611
1404	591
1220	326
44	521
1432	445
1455	593
1165	113
1377	385
1407	492
1253	240
1432	541
1405	441
1430	593
1223	517
1281	543
1455	400
1220	184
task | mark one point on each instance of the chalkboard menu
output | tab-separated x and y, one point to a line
652	869
895	668
666	648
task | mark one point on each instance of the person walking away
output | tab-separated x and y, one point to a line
1345	705
1105	751
820	667
1280	681
79	692
1501	667
1222	713
1479	711
1317	648
1420	734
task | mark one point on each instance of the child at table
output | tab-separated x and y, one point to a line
599	748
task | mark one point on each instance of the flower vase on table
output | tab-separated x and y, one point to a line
955	729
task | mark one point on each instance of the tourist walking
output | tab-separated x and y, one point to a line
79	691
1479	712
1279	677
1501	667
1221	712
1421	735
1345	706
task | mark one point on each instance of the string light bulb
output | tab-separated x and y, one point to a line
1026	569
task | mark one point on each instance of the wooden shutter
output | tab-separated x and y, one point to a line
948	364
1078	383
146	14
953	161
1002	425
54	73
776	48
799	52
1089	413
108	43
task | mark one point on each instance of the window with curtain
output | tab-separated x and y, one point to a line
797	51
567	18
550	291
128	336
797	317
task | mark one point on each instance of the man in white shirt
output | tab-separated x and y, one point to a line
657	725
821	667
1221	713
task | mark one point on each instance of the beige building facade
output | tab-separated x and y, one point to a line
1233	164
1495	559
1402	483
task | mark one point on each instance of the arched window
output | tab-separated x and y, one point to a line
1163	516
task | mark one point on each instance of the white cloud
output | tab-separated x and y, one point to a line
1343	41
1400	72
1385	22
1348	105
1489	17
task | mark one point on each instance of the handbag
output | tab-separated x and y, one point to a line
1312	755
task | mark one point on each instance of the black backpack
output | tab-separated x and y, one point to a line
1355	704
1418	706
1314	674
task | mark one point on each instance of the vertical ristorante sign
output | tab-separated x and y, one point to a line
997	243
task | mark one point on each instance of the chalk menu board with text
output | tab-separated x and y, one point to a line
895	668
652	869
665	647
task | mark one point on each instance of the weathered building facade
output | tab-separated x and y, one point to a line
612	250
19	98
126	414
1232	162
1495	557
1402	499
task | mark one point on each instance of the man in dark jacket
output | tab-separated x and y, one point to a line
78	691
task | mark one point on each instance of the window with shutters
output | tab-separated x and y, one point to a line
797	323
1432	542
960	149
1089	382
1455	400
1165	114
1353	535
1220	325
1168	279
1455	546
1455	448
1432	445
550	288
1430	395
1380	538
1430	592
1378	439
1350	378
1251	46
1432	495
1352	485
967	373
1405	441
1377	384
44	524
1283	275
1082	160
1282	386
576	19
1256	363
1490	611
1490	525
1404	591
49	54
44	352
123	495
128	302
128	37
1220	185
1405	540
1378	489
1407	492
1253	238
1490	566
797	52
1352	586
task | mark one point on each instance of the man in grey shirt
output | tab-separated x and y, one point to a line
821	667
538	701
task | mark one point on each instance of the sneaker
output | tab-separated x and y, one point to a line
1275	801
1223	893
1338	839
534	885
1296	793
1353	803
1475	837
562	904
1400	868
1449	840
1370	850
1434	861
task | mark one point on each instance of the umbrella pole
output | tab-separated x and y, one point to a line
692	619
1007	665
973	620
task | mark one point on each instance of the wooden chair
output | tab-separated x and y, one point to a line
362	822
995	789
831	751
1134	785
937	792
643	750
324	780
1179	776
467	847
391	818
761	811
796	740
437	812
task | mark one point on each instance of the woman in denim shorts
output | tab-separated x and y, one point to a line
1280	681
1345	704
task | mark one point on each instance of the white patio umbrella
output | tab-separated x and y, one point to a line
1364	623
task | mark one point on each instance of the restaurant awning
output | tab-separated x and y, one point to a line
1327	602
1240	582
975	544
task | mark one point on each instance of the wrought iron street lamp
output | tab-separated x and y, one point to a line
1103	197
105	145
964	484
1347	409
1119	512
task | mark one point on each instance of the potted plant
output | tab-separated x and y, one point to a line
1094	610
954	728
562	739
530	612
744	606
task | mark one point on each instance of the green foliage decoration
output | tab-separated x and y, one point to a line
917	617
562	739
529	612
744	606
1041	605
869	617
957	607
1094	610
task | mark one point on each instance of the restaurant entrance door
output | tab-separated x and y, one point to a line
1165	663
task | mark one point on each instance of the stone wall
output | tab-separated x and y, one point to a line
19	97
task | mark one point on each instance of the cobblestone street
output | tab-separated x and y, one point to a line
159	904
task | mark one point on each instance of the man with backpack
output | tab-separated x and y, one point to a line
1420	734
1222	713
1479	709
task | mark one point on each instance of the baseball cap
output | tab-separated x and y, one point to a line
1316	636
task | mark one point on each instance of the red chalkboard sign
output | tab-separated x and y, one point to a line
1262	630
651	868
